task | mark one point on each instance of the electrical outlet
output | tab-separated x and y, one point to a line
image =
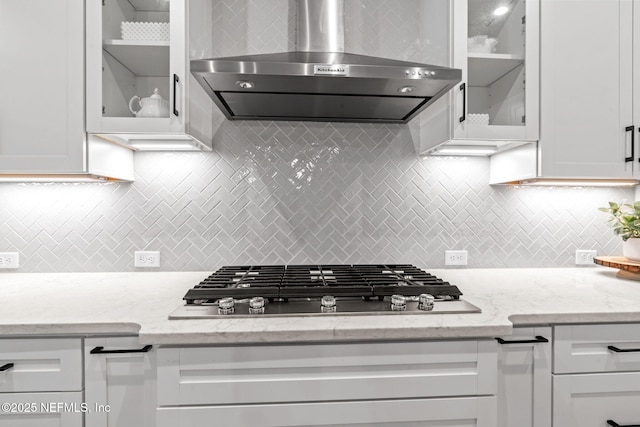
585	257
146	259
9	260
455	257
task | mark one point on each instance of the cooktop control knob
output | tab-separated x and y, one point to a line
256	305
398	303
226	306
328	304
425	302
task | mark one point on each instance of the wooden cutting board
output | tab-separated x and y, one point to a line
628	269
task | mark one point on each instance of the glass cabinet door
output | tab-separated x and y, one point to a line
500	92
128	66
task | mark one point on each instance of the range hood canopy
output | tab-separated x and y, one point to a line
320	82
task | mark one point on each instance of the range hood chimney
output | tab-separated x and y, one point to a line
320	26
319	82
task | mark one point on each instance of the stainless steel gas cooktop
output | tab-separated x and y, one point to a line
320	290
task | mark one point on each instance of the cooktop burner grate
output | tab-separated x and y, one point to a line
315	281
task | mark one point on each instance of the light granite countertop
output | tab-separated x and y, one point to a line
139	303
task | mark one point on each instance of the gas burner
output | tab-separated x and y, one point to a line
291	290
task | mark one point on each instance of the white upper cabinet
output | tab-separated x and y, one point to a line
41	117
133	48
587	103
587	99
42	86
497	99
635	139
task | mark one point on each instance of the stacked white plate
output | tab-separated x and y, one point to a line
481	44
157	31
478	119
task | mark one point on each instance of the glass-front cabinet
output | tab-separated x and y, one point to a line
137	72
497	76
496	44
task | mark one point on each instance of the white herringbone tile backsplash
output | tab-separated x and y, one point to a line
304	192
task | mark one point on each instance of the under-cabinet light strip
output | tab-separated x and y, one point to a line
457	150
576	182
54	178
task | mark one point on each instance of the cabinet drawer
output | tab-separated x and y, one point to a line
589	400
585	348
42	409
41	364
295	373
452	412
123	378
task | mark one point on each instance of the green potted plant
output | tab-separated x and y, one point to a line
625	219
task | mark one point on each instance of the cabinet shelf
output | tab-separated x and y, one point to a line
141	57
138	124
486	68
497	132
150	5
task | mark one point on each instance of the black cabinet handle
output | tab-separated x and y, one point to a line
615	424
463	88
6	367
537	339
620	350
633	144
176	80
101	350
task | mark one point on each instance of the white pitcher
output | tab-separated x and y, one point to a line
153	106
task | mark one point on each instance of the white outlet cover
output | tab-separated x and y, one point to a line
146	259
9	260
455	257
585	257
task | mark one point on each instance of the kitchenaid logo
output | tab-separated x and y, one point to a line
331	70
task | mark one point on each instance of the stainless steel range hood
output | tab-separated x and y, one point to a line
320	82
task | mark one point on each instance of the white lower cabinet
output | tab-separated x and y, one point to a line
454	412
596	348
41	382
120	382
41	409
524	378
40	364
597	400
596	381
431	383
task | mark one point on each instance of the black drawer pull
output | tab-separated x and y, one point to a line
615	424
6	367
537	339
620	350
101	350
